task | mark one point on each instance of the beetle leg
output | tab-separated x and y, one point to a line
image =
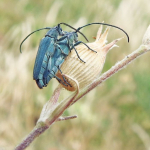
59	80
64	77
78	54
85	45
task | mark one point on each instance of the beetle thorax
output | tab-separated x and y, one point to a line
53	33
73	38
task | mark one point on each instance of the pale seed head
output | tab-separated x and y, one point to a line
85	73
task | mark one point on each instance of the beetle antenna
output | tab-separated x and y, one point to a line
32	33
75	29
104	24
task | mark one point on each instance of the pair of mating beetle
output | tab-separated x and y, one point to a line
53	51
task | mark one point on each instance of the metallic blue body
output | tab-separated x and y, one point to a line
45	55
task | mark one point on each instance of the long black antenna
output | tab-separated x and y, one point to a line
104	24
32	33
75	30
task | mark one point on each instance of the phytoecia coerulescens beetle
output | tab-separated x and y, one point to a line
53	51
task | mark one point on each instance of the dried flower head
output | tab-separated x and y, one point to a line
85	73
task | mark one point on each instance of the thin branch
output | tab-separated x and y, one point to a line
66	118
29	139
37	131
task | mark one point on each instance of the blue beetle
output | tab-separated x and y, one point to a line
64	45
52	52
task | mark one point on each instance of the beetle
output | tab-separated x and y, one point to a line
46	50
52	52
64	45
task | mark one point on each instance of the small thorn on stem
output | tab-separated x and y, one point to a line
66	118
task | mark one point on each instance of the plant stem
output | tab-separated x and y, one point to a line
69	101
29	139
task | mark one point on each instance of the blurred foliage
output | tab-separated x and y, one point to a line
113	116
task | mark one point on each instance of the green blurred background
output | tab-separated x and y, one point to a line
116	115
